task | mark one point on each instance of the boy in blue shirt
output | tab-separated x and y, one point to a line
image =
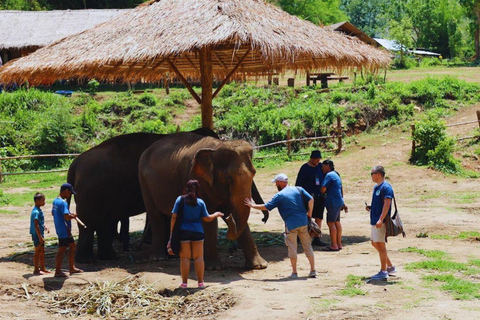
379	209
37	228
63	226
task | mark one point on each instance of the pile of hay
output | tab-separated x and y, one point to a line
133	298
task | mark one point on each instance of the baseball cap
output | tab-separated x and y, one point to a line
280	177
316	154
67	186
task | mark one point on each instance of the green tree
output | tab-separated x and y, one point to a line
317	11
402	33
473	12
367	15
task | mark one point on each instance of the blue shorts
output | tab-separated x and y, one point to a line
186	235
333	214
65	242
36	240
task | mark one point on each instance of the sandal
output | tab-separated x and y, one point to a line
201	285
330	249
183	285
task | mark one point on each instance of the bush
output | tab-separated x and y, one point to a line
92	87
148	99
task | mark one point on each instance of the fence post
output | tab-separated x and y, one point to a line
289	144
412	155
1	177
478	118
339	134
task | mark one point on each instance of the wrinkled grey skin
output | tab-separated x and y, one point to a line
225	172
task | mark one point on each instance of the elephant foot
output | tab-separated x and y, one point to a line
213	264
256	263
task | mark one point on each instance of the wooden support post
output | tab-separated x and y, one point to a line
478	117
339	134
206	76
275	81
412	155
289	144
1	177
269	79
291	82
166	81
308	78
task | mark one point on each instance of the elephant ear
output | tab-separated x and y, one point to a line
202	166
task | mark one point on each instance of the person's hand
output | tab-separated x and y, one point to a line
345	208
46	229
42	241
218	214
367	208
73	215
249	202
169	248
379	224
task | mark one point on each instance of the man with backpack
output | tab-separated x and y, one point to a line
379	209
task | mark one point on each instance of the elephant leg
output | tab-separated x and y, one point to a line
84	250
147	234
253	260
159	225
124	233
105	241
212	260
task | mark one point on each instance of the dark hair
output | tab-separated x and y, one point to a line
379	169
38	196
330	164
191	192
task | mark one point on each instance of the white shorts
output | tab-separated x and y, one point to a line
378	234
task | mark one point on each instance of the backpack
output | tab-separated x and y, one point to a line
393	224
313	228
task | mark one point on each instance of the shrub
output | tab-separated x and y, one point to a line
148	99
92	87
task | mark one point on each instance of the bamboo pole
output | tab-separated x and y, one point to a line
41	156
478	118
339	133
412	155
293	140
289	144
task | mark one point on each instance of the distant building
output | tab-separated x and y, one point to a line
350	30
392	45
23	32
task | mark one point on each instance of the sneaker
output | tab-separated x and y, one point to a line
382	275
312	274
319	243
201	285
293	276
391	270
183	285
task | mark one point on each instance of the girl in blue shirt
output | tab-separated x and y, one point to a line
332	185
191	211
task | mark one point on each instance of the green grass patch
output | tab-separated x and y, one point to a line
434	254
3	211
466	198
432	195
462	235
461	289
475	262
438	265
353	286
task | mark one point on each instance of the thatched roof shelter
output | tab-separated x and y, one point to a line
348	28
198	39
23	32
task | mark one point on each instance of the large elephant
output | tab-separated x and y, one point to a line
106	181
225	172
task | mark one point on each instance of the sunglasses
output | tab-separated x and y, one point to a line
372	173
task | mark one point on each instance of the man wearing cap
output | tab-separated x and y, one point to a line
63	225
310	177
290	204
379	209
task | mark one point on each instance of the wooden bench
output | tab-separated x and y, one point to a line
323	77
339	78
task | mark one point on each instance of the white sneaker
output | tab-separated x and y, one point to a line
391	270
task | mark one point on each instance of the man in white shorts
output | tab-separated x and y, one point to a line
380	207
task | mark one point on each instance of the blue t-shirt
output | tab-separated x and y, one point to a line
192	215
380	192
333	183
310	178
59	209
37	214
289	202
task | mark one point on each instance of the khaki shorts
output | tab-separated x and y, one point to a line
305	239
378	234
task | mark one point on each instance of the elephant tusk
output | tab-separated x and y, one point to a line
232	227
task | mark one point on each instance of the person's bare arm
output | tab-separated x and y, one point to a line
323	189
310	209
213	216
250	203
386	206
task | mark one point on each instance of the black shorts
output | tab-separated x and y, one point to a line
318	207
186	235
333	215
65	242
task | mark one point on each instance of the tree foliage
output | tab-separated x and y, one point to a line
317	11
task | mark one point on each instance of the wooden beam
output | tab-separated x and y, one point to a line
191	63
184	81
206	76
220	60
224	82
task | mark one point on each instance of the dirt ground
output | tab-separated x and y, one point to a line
429	202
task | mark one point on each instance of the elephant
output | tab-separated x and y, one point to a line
105	179
225	173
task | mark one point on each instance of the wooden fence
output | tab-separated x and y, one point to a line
288	142
414	145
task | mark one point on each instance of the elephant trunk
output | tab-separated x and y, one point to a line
232	233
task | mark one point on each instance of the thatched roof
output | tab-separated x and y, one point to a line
35	29
144	43
349	29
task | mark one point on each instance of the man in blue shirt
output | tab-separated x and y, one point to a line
290	204
62	219
379	209
310	177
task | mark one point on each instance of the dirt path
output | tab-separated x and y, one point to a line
430	203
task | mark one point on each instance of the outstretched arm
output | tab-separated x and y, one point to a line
250	203
212	217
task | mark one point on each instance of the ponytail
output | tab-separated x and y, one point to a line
191	192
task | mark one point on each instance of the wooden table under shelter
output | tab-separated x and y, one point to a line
323	77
